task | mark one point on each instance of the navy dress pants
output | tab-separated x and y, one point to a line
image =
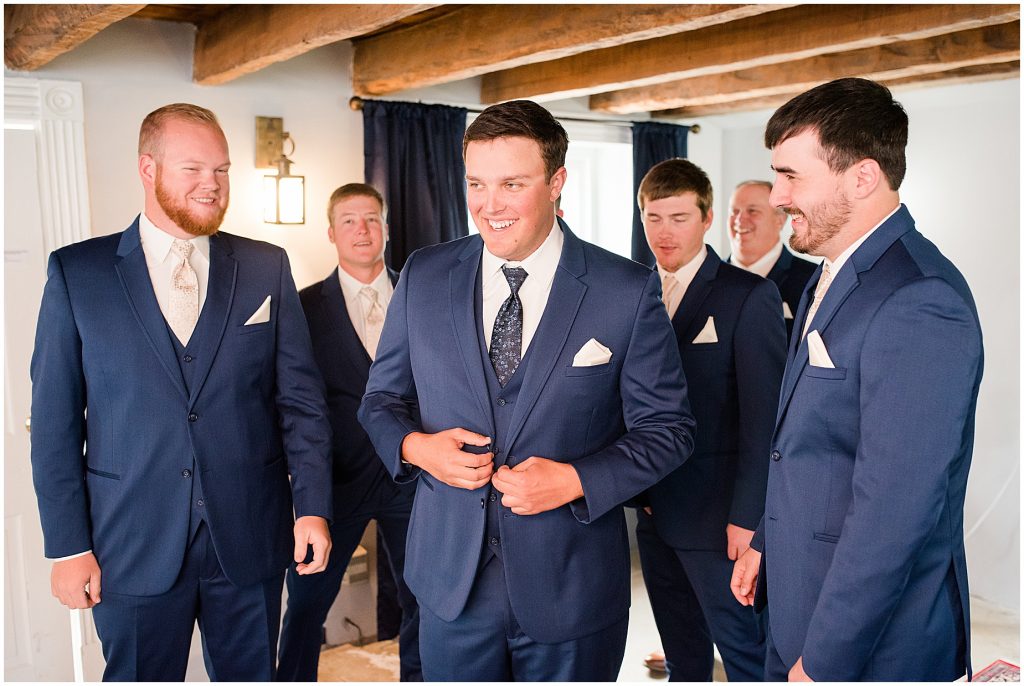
147	638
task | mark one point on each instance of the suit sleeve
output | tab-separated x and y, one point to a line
389	411
919	368
659	424
760	357
301	407
58	422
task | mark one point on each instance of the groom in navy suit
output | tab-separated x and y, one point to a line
529	383
345	313
860	553
187	349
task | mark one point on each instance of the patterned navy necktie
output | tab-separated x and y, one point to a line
507	335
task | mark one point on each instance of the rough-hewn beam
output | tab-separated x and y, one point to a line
991	44
974	74
247	38
482	38
783	36
35	34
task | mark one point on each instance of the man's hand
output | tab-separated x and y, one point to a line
69	579
312	531
739	540
441	455
537	485
744	576
798	673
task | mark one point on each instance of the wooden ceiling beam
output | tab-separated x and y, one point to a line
35	34
247	38
988	45
972	74
783	36
477	39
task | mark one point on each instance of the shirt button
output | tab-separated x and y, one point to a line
494	496
188	358
193	417
494	540
776	455
186	473
200	503
502	401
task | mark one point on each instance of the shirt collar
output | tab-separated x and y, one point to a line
764	265
156	243
540	264
684	275
351	286
834	267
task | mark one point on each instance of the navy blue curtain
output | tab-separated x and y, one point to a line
413	156
653	142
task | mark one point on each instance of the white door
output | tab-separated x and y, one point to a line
45	206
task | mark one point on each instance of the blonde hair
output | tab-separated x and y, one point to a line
150	133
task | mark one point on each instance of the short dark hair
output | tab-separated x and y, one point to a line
352	190
675	177
854	119
152	128
522	119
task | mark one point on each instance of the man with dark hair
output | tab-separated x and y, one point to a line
187	348
346	313
754	233
860	555
729	329
529	383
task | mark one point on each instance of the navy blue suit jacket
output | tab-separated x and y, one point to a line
734	389
116	483
790	274
863	554
345	366
623	425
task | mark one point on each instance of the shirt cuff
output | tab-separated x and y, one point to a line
71	557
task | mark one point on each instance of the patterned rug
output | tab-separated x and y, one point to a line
372	662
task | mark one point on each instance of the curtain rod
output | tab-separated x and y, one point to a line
356	104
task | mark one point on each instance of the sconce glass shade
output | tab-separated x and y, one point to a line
284	199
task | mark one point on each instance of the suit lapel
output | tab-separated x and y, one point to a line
138	289
335	311
696	293
778	271
567	291
461	289
213	320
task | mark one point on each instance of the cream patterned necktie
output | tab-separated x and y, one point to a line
670	288
373	319
183	306
819	294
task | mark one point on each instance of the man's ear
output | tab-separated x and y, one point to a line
710	218
557	183
147	170
865	178
330	233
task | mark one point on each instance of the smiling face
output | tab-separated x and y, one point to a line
509	195
675	229
186	179
812	195
754	225
359	234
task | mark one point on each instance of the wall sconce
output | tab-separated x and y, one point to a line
284	194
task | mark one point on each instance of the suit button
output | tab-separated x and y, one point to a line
494	496
186	473
188	358
776	455
200	503
494	540
193	417
481	502
502	401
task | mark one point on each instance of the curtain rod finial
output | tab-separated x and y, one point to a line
355	103
694	128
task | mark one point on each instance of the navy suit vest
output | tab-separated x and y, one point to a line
186	355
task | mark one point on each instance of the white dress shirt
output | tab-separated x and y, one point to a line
764	265
161	261
540	269
684	275
356	306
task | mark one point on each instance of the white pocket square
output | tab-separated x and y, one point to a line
261	315
816	351
708	333
786	312
592	354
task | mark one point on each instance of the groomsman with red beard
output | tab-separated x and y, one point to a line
188	350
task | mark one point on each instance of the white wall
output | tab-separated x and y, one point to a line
963	189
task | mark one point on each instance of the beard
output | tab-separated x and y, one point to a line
179	213
823	222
